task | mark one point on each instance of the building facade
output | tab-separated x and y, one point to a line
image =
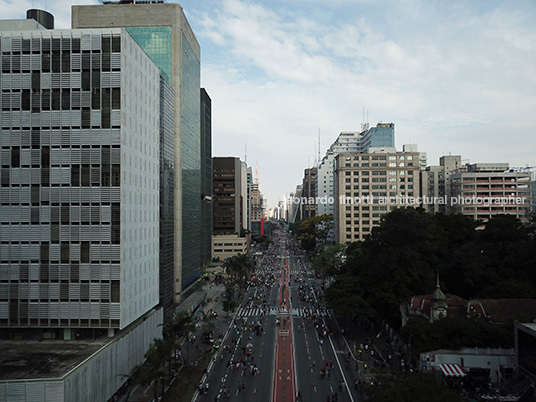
225	246
206	178
346	143
228	198
435	183
167	194
370	185
482	190
80	181
164	33
257	203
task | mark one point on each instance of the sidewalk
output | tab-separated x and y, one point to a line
375	352
210	298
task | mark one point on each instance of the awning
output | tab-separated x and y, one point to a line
452	370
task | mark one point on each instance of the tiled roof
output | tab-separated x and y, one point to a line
496	310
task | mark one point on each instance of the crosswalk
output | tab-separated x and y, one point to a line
297	312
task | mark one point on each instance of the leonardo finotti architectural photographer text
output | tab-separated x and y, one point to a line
407	200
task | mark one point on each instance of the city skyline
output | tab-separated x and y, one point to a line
454	78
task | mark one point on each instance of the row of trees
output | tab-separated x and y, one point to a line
162	359
402	256
239	268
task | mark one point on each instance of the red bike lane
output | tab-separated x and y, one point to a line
284	386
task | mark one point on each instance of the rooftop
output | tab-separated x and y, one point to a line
27	359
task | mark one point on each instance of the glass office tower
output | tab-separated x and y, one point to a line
206	178
162	30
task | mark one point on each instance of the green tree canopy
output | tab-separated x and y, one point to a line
329	260
239	267
312	231
403	254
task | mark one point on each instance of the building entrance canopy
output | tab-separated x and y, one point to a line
452	370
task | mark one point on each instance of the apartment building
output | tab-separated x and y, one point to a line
369	185
482	190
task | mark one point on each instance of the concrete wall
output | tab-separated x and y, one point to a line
99	376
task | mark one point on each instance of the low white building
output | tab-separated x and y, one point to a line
224	246
499	363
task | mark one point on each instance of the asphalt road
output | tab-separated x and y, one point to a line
244	369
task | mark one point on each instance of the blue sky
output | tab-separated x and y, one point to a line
454	76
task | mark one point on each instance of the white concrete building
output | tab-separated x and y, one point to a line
370	185
348	142
79	214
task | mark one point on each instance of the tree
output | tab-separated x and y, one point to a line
159	362
345	297
414	388
239	267
454	333
175	328
402	256
140	375
313	231
329	260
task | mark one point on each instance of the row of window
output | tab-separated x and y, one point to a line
59	63
378	180
378	173
104	99
379	157
85	43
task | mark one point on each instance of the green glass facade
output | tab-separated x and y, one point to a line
191	164
167	194
156	42
206	178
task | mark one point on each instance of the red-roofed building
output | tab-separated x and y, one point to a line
436	305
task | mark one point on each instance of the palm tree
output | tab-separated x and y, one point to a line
139	375
159	362
239	267
206	318
176	327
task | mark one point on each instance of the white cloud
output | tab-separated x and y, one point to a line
453	76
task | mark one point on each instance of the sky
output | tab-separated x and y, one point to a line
455	77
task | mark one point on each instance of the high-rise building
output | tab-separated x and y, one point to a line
308	207
80	204
80	179
228	198
229	193
481	190
249	181
167	195
383	135
257	207
206	178
163	32
435	183
369	185
244	192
